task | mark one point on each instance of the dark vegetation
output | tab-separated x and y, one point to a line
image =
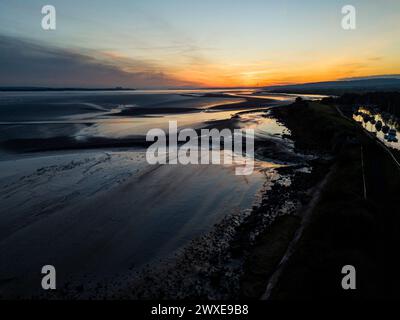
345	228
341	87
385	101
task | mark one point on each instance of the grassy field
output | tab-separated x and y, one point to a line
355	221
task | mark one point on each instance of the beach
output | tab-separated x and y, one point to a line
74	182
84	198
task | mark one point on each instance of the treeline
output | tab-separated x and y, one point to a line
385	101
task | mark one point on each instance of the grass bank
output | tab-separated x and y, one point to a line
345	227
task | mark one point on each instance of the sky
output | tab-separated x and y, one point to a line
187	43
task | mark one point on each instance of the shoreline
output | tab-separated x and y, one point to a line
354	221
243	252
217	264
60	143
57	170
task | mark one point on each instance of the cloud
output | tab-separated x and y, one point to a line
375	58
25	63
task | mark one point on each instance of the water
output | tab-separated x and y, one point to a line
370	124
43	115
93	214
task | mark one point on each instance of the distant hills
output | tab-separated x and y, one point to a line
340	87
327	87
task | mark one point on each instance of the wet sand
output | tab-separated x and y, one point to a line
90	221
87	213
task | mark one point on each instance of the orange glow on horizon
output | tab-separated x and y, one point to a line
225	76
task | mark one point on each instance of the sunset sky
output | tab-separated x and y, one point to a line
170	43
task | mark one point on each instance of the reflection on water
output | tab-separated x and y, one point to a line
263	124
132	213
86	114
290	97
385	126
123	114
139	126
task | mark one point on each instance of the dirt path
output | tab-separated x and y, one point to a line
307	213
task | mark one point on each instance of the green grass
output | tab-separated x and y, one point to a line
345	228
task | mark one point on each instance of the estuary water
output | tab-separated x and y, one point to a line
97	212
